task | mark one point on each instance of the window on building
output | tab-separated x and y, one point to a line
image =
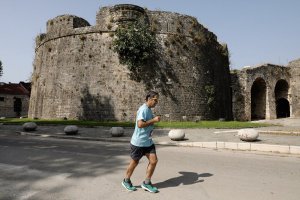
1	98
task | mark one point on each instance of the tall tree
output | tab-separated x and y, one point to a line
1	68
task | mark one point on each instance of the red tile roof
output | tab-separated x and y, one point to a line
13	89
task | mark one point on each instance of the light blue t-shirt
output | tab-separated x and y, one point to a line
142	136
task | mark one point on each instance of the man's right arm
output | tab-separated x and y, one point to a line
143	124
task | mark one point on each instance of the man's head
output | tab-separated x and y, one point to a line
152	99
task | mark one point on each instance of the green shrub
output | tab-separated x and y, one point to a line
136	45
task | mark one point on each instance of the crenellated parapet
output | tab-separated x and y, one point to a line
126	12
65	22
108	19
174	23
62	26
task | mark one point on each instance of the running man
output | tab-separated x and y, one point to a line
142	145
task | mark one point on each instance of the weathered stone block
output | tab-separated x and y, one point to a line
176	134
248	135
116	131
71	130
29	126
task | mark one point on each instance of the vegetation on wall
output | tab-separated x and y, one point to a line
136	45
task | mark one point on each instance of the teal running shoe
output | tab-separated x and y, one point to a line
128	186
149	187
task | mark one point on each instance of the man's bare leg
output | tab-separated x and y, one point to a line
152	164
132	165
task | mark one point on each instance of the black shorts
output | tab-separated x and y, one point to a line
137	153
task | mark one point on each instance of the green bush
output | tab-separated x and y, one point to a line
136	45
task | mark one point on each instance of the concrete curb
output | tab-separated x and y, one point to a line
285	149
296	133
74	137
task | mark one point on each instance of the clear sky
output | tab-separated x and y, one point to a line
256	31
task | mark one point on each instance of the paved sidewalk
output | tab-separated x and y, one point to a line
282	138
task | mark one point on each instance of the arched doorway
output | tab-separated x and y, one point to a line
281	98
282	108
17	106
258	99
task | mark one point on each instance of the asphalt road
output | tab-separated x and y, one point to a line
42	169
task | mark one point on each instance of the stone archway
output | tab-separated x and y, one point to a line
258	99
281	98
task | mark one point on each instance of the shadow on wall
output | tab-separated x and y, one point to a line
200	60
96	107
238	99
157	74
258	99
17	106
282	108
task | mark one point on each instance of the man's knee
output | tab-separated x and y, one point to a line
153	161
134	162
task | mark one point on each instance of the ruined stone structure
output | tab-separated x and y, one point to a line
78	75
266	92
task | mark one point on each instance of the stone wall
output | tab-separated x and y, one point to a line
294	67
77	74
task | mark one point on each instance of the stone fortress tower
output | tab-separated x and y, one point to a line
78	75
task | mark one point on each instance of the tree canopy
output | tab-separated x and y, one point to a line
1	68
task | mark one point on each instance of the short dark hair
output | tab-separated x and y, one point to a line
151	94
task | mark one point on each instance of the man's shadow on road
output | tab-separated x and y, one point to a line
186	178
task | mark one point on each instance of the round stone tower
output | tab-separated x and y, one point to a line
78	75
